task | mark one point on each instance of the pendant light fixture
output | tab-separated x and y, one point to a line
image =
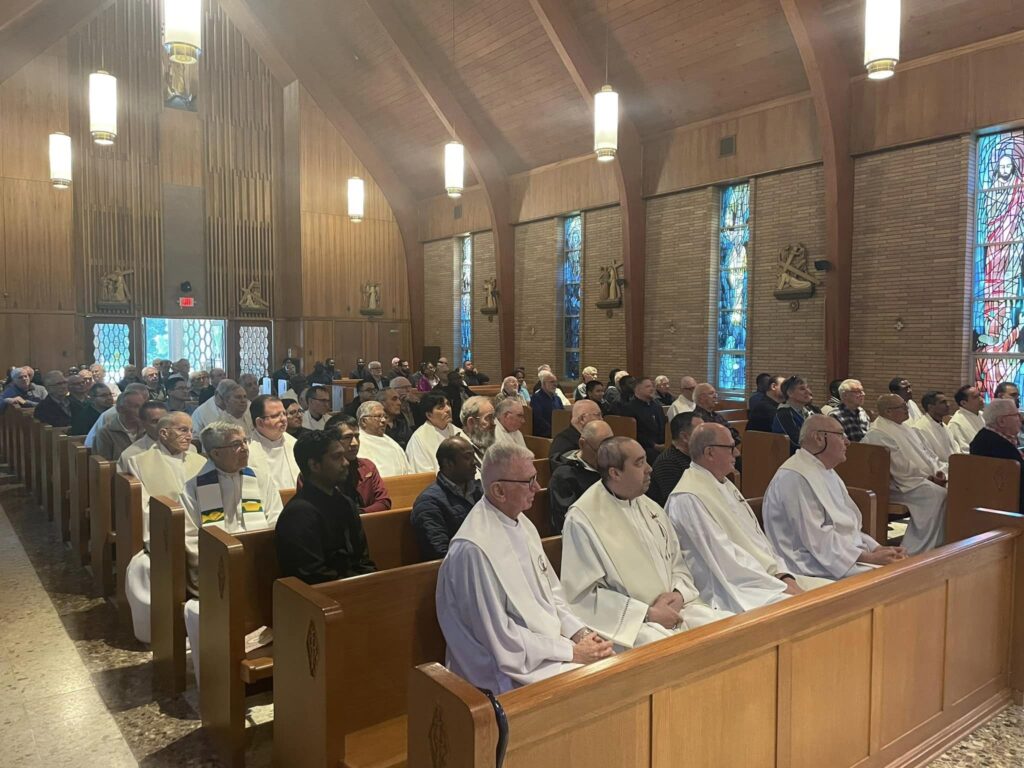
103	107
881	38
60	160
454	153
183	30
606	111
356	198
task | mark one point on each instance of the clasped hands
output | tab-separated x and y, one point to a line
665	610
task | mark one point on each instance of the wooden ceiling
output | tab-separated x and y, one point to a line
674	62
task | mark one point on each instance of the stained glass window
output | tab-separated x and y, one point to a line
998	297
198	340
254	350
572	295
733	238
112	347
464	336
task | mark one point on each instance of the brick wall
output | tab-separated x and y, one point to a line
538	317
439	287
912	236
485	329
604	338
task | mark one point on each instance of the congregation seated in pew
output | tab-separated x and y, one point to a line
374	442
319	535
734	566
422	448
568	440
479	424
441	507
669	467
933	429
270	438
967	421
998	439
362	482
577	472
808	514
150	414
623	572
850	410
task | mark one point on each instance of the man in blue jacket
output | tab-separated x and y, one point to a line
438	512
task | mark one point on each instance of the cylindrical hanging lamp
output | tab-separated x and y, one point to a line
454	168
881	38
606	124
356	197
183	30
60	160
103	107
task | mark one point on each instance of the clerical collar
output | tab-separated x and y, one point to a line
614	494
695	465
264	439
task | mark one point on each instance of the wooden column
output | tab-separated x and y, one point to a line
589	78
830	88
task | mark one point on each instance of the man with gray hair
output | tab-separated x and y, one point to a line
114	436
809	516
375	374
375	445
499	602
109	414
227	494
849	412
229	403
151	378
478	424
622	569
583	412
685	402
589	374
21	392
663	391
544	401
55	409
998	438
509	420
577	472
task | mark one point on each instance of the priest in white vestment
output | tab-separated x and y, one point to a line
499	601
967	421
150	414
733	564
318	407
684	403
902	387
622	570
374	443
917	477
162	471
478	424
423	445
509	418
226	493
808	514
933	428
271	441
229	403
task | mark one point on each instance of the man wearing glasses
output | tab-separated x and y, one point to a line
499	602
809	516
375	445
318	404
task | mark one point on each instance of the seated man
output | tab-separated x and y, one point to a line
111	413
918	478
684	403
622	569
849	413
150	415
319	535
764	402
967	421
363	482
365	392
162	472
21	392
474	377
478	425
395	425
902	387
375	445
499	602
933	427
318	406
228	494
663	390
589	374
423	445
276	446
790	416
733	564
707	401
834	399
55	409
669	467
375	375
509	419
229	403
649	416
577	472
401	427
116	434
808	514
998	440
100	400
583	412
99	376
151	378
178	394
440	509
543	402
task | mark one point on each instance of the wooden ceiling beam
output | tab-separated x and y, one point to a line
588	76
479	155
39	27
830	89
255	33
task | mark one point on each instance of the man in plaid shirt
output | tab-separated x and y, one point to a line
849	413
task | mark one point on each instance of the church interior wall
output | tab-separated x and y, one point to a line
538	319
603	336
486	356
439	289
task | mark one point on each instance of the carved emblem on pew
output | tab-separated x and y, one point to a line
438	740
795	281
312	649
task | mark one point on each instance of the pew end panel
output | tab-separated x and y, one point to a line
128	525
443	703
391	538
622	426
979	481
78	471
543	467
763	454
62	482
867	503
867	466
51	478
101	524
527	428
541	446
403	489
46	438
167	593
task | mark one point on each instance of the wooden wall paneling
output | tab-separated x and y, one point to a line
318	342
437	214
36	246
394	340
995	98
573	185
42	26
371	343
287	340
13	340
53	342
288	270
181	147
33	104
348	344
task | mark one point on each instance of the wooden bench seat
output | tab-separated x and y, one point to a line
763	454
978	481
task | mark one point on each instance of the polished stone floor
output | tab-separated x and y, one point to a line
75	688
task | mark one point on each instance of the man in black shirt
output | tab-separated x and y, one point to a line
583	412
577	472
650	418
762	404
669	467
319	534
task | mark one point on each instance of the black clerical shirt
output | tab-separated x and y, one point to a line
320	537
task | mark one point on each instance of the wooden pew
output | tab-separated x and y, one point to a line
543	467
622	426
403	489
340	690
931	648
25	421
763	454
732	414
62	482
127	501
47	470
527	428
978	481
560	420
36	463
486	390
101	523
78	483
867	466
541	446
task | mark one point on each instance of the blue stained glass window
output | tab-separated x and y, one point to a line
998	294
464	342
572	295
112	347
734	236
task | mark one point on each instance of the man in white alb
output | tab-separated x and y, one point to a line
229	403
967	421
271	445
318	405
733	564
622	569
150	414
917	478
375	445
499	602
423	445
808	514
933	429
509	419
684	403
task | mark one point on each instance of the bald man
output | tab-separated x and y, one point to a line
583	412
684	403
577	473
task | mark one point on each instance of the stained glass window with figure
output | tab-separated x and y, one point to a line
464	260
731	331
572	295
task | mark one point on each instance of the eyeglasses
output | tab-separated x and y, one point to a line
530	482
830	432
318	399
235	446
731	447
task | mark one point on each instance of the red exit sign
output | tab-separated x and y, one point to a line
186	302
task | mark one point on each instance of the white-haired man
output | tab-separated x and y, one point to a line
663	391
229	403
55	409
375	445
685	402
21	392
509	419
545	401
849	412
809	516
998	440
589	374
499	602
622	570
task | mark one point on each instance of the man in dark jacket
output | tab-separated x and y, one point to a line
100	400
55	409
998	440
438	512
763	403
650	418
669	467
543	402
577	473
568	440
791	415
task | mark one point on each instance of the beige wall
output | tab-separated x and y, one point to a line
538	318
485	329
604	337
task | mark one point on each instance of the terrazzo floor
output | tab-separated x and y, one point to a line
76	688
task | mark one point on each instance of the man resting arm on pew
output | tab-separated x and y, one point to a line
499	602
809	516
622	569
319	535
733	564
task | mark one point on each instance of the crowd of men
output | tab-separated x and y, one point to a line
657	539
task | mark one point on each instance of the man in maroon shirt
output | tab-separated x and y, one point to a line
363	482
